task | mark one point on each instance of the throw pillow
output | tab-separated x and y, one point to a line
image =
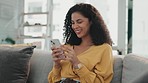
14	63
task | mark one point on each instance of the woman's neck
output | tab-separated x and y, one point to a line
86	42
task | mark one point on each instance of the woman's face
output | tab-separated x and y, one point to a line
80	25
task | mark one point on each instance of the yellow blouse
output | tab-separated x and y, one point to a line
97	66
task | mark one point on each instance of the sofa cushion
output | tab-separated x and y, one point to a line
134	67
14	63
118	65
41	65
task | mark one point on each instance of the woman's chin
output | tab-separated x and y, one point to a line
79	36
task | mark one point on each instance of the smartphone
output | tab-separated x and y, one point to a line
55	43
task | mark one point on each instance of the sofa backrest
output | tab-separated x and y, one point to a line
118	65
41	65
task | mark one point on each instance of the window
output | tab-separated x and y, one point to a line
36	23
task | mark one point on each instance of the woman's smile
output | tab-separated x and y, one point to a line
77	31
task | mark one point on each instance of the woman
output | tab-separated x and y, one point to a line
87	50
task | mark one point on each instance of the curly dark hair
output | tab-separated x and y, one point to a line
98	30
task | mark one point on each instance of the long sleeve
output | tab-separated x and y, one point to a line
102	71
54	75
97	66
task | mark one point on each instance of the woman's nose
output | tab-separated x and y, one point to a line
74	26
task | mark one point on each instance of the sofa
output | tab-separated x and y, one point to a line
130	68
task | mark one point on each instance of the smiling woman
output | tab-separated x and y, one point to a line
87	49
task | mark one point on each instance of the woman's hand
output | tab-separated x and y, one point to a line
70	55
57	55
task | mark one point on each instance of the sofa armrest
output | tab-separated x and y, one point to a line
135	68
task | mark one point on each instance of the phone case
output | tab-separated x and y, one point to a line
55	42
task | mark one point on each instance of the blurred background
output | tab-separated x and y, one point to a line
38	21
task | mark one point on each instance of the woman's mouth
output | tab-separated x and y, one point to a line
77	31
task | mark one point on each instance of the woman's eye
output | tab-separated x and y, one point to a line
72	22
79	22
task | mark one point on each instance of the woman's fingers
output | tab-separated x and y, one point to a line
56	59
68	50
69	53
58	54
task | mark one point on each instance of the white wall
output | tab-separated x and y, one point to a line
10	12
140	27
